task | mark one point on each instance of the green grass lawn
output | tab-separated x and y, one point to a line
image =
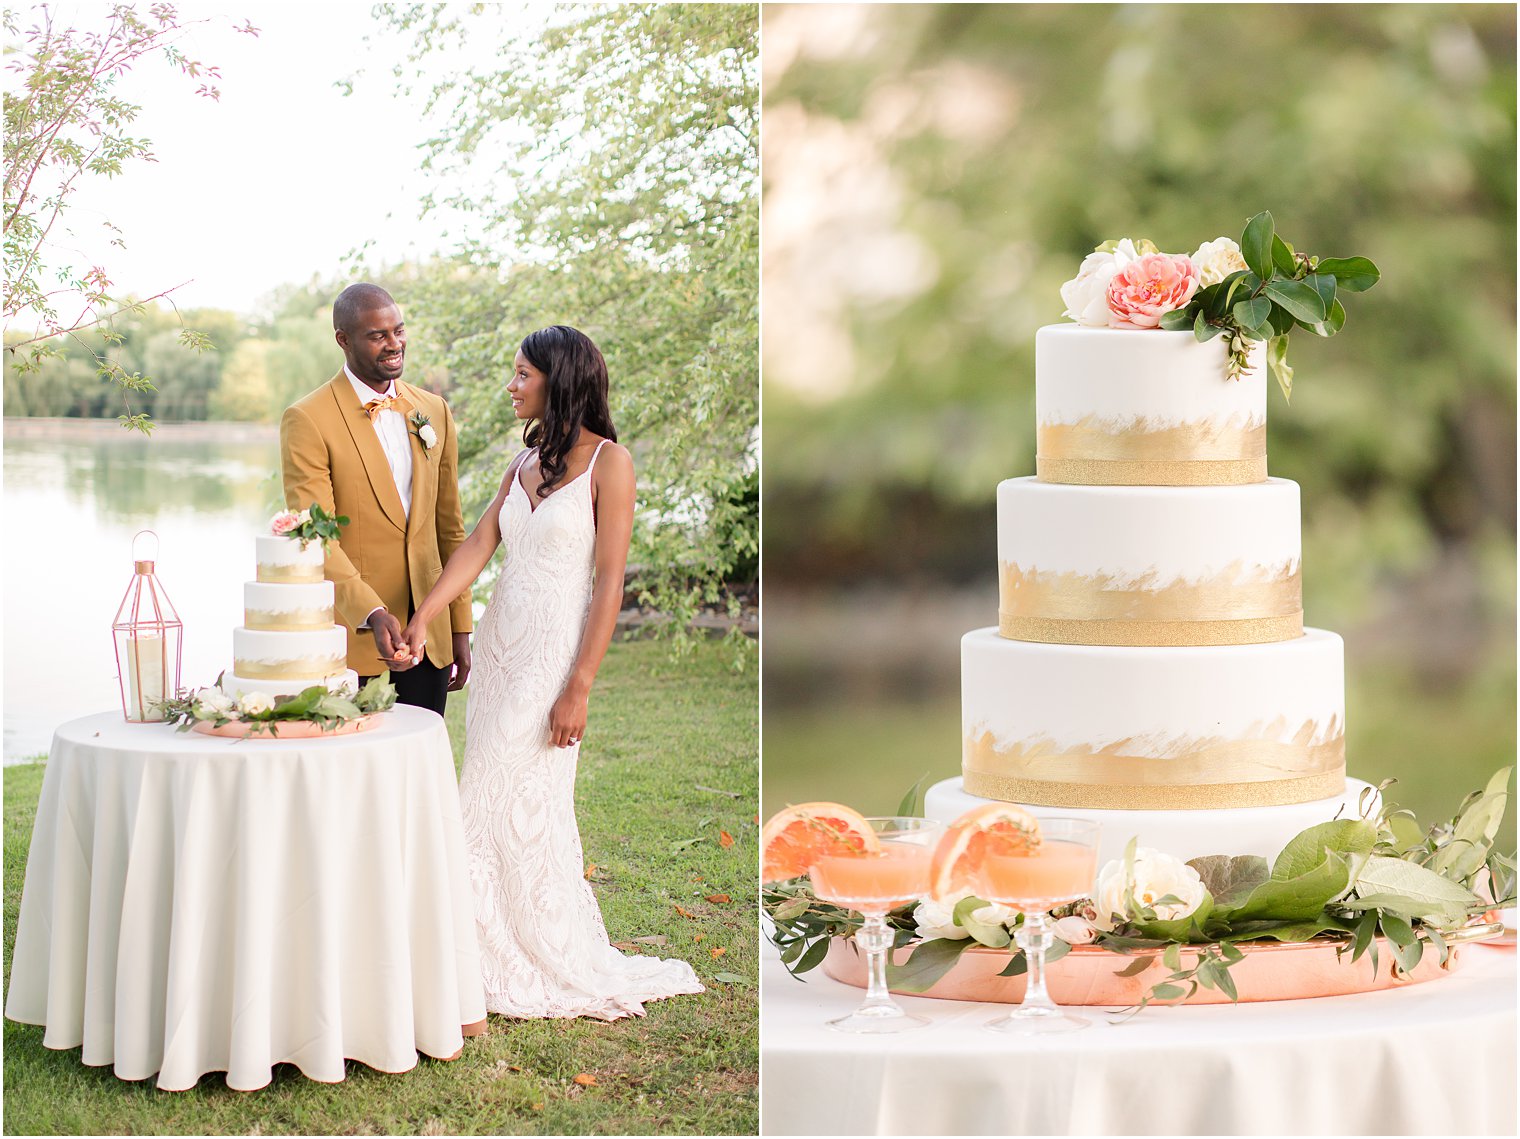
660	731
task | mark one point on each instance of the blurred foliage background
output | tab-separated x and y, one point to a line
932	175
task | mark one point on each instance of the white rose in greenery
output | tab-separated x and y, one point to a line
1086	294
428	436
213	702
934	920
1074	930
1216	260
994	914
255	703
1156	876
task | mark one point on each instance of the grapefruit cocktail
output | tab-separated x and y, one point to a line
1002	853
867	865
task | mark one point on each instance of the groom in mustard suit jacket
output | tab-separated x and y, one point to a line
385	454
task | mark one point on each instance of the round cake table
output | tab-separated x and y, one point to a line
198	904
1431	1059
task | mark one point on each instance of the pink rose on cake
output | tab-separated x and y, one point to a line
1140	293
284	522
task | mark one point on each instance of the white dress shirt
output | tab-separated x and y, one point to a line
395	441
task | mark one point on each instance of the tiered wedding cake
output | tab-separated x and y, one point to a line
288	641
1151	668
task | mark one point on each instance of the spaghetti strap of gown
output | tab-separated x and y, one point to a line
544	948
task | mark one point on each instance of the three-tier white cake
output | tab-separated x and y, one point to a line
1150	667
288	640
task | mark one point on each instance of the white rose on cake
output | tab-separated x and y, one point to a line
1074	930
213	702
1086	294
255	703
1156	876
1216	260
937	921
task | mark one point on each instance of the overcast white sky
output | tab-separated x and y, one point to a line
284	175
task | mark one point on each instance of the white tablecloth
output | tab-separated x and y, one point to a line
196	904
1432	1059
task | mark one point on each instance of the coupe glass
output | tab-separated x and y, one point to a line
873	883
1059	872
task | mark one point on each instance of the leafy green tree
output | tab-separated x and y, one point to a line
626	158
66	124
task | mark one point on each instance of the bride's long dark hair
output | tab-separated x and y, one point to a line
575	396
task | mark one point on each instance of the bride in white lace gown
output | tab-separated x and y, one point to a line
564	515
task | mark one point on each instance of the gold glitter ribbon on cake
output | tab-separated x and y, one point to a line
1141	452
296	621
1237	606
314	669
288	575
1259	769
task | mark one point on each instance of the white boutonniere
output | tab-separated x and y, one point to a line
423	429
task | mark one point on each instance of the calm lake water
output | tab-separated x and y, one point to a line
75	494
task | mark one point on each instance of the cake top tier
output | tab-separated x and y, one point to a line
1130	407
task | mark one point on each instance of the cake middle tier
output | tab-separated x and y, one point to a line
264	654
1149	565
1153	728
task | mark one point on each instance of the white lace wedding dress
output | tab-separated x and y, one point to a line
544	949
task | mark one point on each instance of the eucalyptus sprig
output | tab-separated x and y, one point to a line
1278	289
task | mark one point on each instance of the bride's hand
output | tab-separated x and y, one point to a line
567	719
414	638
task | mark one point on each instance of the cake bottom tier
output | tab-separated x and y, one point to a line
235	685
1184	834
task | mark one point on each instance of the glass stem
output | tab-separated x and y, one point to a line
1034	938
876	939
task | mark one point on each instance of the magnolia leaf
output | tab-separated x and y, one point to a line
926	964
1434	896
1335	320
1282	257
1298	298
1277	360
1309	848
1324	285
1177	319
1290	931
1228	879
1203	331
1280	320
1474	831
1406	831
1293	899
1256	244
913	802
1353	274
1252	313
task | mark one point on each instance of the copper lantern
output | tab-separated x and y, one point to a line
147	632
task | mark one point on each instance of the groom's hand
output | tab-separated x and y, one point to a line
389	641
461	661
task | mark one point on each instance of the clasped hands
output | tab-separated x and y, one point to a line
401	649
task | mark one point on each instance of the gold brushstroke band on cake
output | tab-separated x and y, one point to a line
1103	452
1237	606
1131	472
1199	775
307	668
295	621
1150	634
285	575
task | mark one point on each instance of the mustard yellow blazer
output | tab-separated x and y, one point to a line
330	454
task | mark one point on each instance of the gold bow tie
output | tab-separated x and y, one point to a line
390	403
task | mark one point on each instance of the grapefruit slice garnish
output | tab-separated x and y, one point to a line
993	828
794	838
